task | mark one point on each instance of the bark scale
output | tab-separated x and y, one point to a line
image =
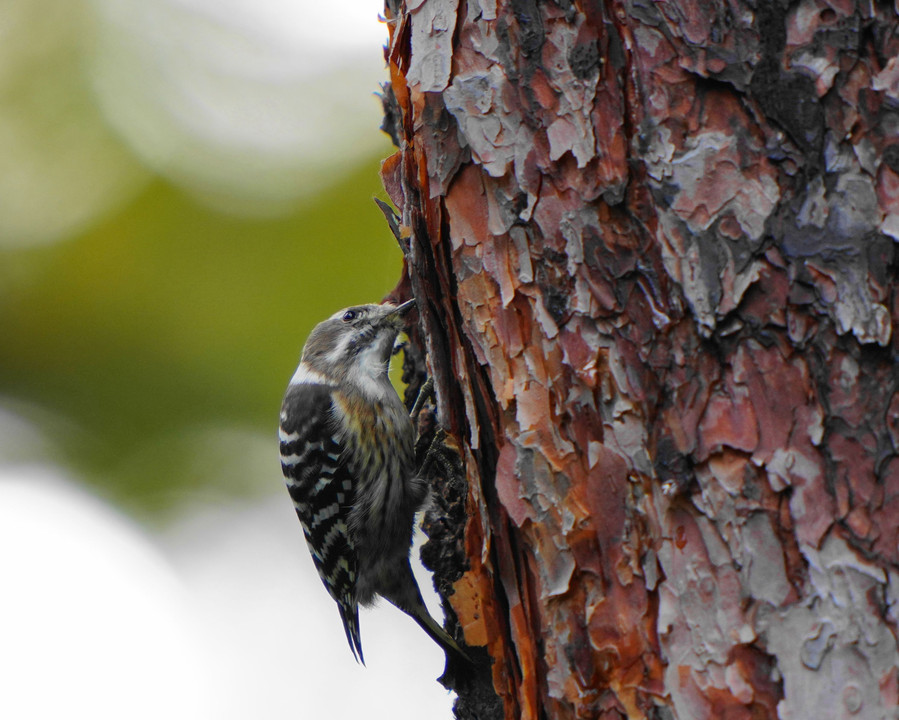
653	246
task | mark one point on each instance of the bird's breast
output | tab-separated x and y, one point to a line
377	434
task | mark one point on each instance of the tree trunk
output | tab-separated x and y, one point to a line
653	248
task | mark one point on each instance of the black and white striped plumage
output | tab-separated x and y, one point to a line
347	453
321	488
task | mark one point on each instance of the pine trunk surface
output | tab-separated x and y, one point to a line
653	248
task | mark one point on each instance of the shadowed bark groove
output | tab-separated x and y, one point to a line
653	247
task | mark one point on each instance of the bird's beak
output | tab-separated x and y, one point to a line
401	309
406	306
394	315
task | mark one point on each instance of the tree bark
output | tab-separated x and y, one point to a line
652	244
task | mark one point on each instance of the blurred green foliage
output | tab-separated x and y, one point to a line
167	318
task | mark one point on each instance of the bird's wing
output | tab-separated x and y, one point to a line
322	490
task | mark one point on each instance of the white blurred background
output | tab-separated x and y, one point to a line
185	189
221	616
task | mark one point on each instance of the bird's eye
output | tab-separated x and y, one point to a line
349	315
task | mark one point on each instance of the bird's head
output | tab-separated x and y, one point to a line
354	345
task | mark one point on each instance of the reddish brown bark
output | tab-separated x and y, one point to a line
653	247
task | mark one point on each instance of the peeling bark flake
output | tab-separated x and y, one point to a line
433	23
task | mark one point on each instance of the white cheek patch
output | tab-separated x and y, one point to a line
371	362
369	373
371	359
339	351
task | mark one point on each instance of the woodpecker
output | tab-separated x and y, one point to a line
347	454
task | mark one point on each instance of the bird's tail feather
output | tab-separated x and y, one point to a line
418	611
439	635
349	613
